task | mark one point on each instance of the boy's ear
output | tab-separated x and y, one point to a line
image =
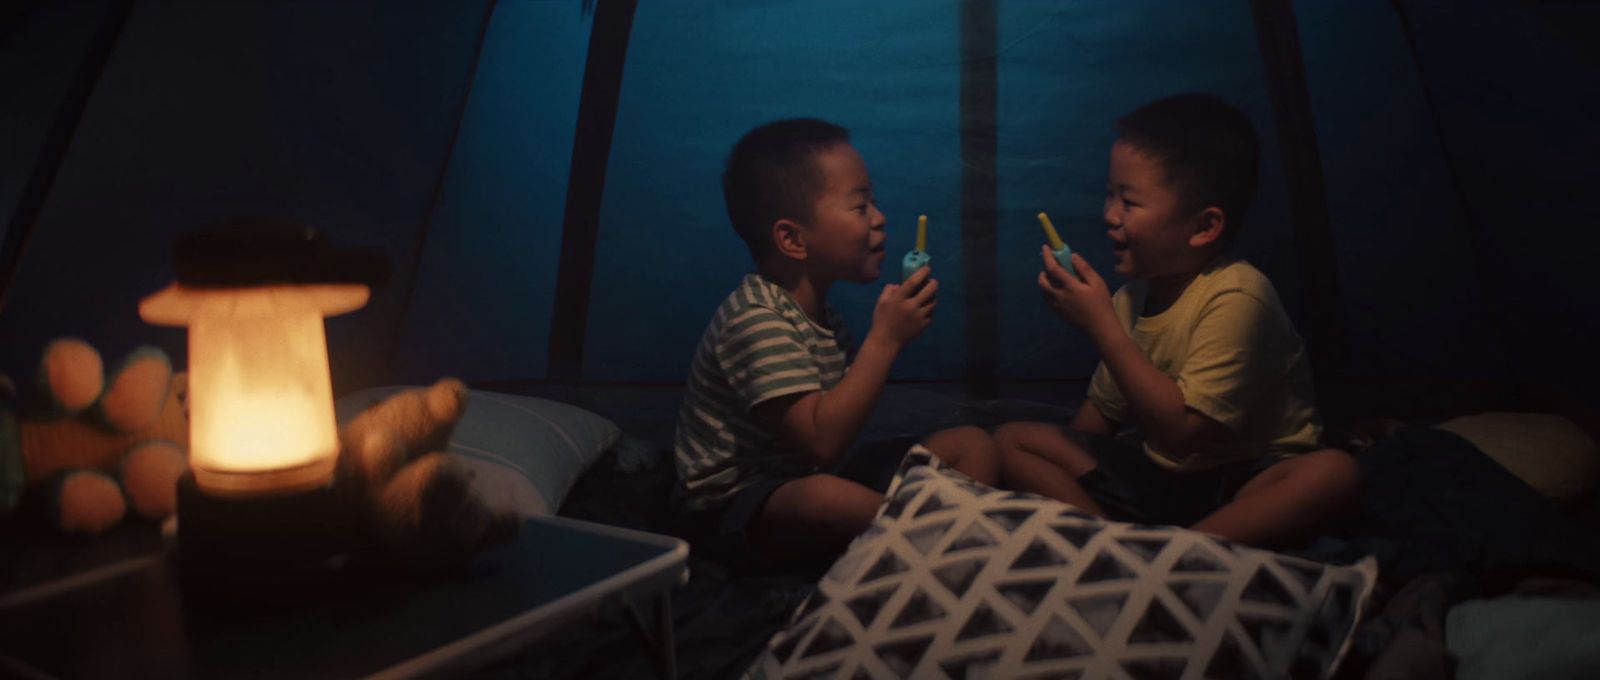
1209	227
789	239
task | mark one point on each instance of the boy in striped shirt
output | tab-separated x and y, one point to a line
763	450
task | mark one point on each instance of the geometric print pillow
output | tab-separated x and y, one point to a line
955	579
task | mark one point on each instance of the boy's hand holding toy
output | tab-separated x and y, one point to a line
1081	297
1071	287
905	310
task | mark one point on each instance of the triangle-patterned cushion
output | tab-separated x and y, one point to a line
955	579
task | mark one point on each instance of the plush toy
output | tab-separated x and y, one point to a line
419	509
94	444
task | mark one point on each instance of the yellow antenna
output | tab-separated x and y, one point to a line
1050	232
922	232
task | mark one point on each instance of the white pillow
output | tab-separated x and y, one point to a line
525	453
958	580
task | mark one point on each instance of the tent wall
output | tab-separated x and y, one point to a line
1516	91
43	47
337	115
1408	271
681	109
1456	144
482	302
666	253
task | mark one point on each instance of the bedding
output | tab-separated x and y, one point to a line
1525	637
1434	503
524	452
1548	452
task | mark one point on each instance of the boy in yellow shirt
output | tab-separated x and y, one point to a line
1196	350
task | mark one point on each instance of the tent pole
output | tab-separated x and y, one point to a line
591	149
53	153
980	94
1279	40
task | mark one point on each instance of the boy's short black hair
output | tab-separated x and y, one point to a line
772	174
1207	147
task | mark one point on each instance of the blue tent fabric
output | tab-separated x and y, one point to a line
38	129
350	116
496	230
339	116
682	109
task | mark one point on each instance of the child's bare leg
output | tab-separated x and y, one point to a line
1046	459
813	516
1287	500
969	450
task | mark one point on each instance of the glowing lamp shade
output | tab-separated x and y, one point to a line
260	399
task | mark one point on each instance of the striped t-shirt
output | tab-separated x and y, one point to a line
760	345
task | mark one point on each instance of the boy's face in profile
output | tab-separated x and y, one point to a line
845	237
1149	231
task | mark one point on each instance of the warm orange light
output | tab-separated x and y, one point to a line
260	398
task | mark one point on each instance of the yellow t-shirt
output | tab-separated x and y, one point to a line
1233	352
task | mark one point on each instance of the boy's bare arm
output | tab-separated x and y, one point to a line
823	424
1170	425
1089	420
1154	398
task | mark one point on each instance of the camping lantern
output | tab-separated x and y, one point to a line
260	505
260	397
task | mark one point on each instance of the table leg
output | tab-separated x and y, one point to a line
663	648
666	646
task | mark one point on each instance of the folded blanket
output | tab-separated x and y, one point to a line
1432	502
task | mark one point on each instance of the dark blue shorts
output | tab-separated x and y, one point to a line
871	464
1131	487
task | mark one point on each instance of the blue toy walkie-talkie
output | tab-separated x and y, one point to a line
1057	246
918	258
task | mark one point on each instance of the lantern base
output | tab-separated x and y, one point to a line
270	550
